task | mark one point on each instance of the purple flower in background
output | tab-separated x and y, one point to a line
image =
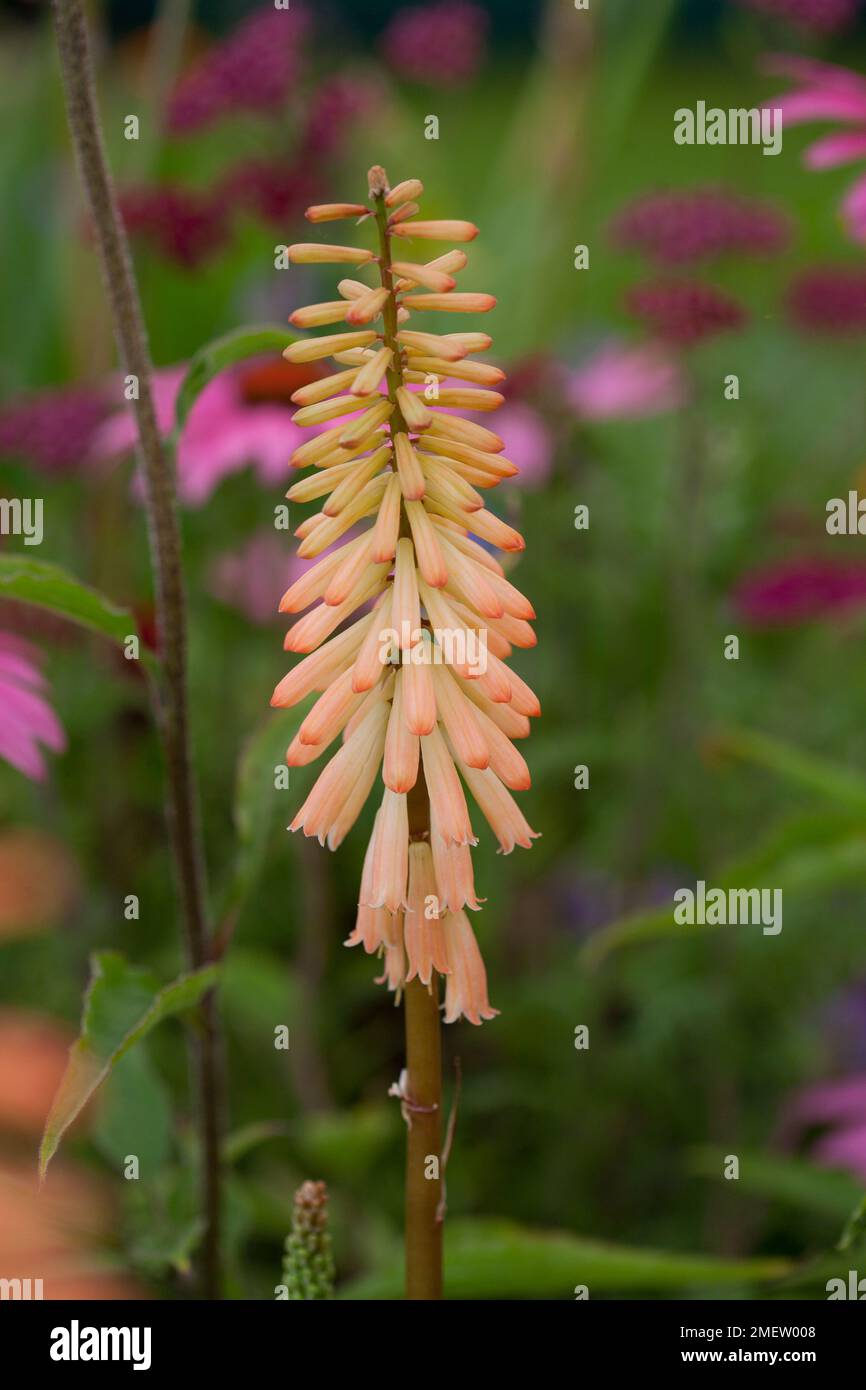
829	299
684	311
828	93
798	591
252	578
53	429
26	719
251	70
843	1019
627	383
530	445
274	191
185	226
334	105
838	1108
437	44
825	16
222	435
696	224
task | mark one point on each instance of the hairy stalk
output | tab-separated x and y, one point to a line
423	1106
165	545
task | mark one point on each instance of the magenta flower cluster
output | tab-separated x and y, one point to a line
440	44
683	312
829	299
54	429
251	70
698	224
800	590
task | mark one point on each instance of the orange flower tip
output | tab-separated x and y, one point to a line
400	785
403	192
422	727
403	214
316	253
332	212
438	231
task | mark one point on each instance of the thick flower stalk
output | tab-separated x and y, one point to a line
407	624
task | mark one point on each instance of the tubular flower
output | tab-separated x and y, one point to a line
407	618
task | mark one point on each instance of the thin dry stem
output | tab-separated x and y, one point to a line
165	545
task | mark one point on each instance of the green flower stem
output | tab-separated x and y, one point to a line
423	1091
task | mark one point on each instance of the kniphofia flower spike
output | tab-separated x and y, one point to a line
407	625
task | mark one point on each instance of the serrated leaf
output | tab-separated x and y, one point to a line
491	1258
214	357
122	1005
49	586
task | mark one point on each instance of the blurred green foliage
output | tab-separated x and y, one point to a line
569	1166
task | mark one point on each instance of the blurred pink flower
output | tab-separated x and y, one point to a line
626	383
798	591
272	189
439	44
839	1109
222	435
825	16
528	443
252	69
829	299
695	224
684	311
53	429
184	225
26	718
334	105
828	93
252	578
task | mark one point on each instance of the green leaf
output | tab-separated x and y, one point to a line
135	1115
854	1231
257	800
123	1003
214	357
49	586
242	1141
634	34
491	1258
345	1145
803	769
805	855
792	1181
